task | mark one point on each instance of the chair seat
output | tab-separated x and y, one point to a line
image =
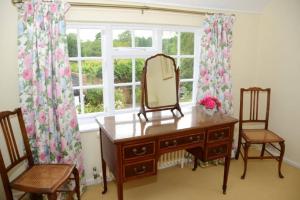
260	136
43	178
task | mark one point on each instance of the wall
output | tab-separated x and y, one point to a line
279	68
244	54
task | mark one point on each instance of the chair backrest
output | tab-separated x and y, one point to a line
9	122
254	106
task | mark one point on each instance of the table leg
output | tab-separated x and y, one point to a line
120	190
104	176
226	170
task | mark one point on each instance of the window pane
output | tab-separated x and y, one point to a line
77	100
91	72
138	95
123	70
121	38
169	43
72	42
139	65
90	41
186	67
75	73
143	38
123	97
93	100
185	91
187	43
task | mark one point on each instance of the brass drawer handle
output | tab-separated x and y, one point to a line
195	140
174	143
141	153
141	171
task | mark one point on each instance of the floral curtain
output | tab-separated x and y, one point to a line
45	85
215	78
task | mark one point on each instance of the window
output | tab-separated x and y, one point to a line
107	63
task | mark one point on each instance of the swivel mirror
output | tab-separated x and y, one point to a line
160	82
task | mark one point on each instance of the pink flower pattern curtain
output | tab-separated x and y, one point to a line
45	85
215	78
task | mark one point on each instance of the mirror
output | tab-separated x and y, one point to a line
159	85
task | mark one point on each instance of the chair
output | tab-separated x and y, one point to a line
259	100
35	179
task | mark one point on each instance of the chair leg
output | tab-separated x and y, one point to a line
237	153
247	145
52	196
282	149
195	164
77	182
262	151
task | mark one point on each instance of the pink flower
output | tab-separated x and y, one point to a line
73	123
52	146
207	30
30	129
29	9
210	102
203	72
42	156
59	54
63	143
58	90
27	74
67	72
49	91
28	61
53	8
42	117
221	71
210	53
60	111
226	53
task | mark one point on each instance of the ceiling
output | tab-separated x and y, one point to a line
252	6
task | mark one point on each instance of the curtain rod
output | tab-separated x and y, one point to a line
134	7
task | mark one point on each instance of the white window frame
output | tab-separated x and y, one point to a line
109	53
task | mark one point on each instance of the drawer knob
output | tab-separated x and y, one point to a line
174	143
140	171
141	153
195	139
220	135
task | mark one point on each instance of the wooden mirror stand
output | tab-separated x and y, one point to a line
159	85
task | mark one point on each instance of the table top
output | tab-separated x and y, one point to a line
128	126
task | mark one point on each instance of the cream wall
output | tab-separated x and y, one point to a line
278	67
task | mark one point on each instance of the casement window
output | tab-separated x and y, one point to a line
107	62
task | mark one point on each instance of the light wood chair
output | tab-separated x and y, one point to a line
259	136
40	179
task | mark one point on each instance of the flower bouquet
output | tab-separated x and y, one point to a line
210	104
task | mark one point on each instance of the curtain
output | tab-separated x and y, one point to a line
46	94
215	77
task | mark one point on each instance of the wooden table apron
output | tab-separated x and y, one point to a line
131	147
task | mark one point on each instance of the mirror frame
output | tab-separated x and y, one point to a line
144	96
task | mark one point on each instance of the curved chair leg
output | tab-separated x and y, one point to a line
237	153
77	182
247	145
262	151
282	149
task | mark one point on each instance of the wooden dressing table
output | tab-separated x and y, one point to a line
131	147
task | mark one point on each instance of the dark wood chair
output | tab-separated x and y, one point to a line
39	179
257	100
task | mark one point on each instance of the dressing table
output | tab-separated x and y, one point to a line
131	146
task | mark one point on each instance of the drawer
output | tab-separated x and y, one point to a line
181	141
138	150
218	134
218	151
139	169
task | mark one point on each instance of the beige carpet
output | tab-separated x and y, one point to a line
261	183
